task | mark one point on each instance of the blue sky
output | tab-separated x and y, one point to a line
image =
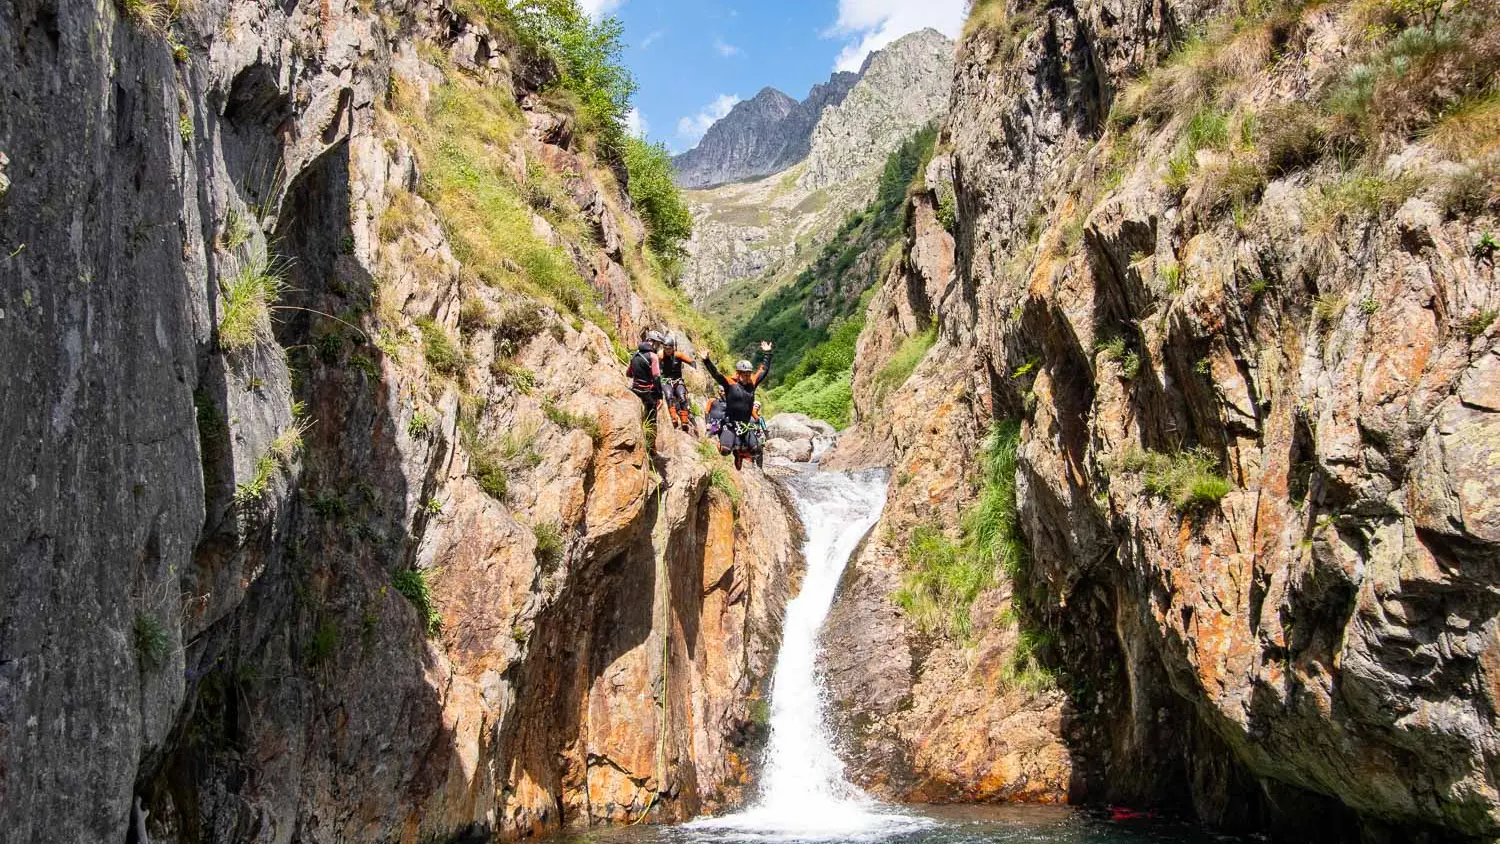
695	58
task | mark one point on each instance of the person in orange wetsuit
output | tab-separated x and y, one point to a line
672	385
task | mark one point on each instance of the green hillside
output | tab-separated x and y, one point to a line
815	319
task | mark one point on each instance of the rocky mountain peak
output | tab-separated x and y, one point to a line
745	232
759	136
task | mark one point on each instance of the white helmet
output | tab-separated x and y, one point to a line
743	366
654	337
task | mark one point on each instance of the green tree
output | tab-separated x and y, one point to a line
656	197
903	167
588	56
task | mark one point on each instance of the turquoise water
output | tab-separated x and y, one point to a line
936	825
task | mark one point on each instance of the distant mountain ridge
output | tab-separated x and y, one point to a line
760	136
766	189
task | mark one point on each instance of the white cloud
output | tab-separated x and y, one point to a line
651	38
691	128
597	9
868	25
725	48
635	123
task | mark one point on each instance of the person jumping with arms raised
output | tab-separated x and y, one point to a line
738	435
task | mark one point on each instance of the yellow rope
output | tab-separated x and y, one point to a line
664	596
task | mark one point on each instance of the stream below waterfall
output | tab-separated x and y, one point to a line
803	796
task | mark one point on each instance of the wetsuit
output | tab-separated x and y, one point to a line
645	379
713	414
674	389
739	405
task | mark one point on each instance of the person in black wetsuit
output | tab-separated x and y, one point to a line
673	388
645	374
736	435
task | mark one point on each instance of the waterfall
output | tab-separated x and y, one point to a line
804	794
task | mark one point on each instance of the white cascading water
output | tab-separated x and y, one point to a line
804	795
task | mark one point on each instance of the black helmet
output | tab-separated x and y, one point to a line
670	342
743	366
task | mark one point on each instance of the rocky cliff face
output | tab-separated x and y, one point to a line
901	87
928	717
751	237
1246	329
762	135
318	529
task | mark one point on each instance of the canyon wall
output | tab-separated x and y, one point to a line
317	528
1225	279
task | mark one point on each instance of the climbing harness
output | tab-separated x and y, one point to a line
641	379
749	441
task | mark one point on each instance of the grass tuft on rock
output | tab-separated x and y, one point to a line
944	576
246	297
416	585
441	352
252	492
549	545
586	422
720	479
1189	479
486	468
156	16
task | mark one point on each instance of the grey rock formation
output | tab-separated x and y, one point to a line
901	87
759	136
260	620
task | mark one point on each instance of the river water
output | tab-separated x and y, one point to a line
804	797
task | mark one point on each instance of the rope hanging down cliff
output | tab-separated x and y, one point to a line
663	603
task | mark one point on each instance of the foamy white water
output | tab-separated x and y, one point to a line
804	794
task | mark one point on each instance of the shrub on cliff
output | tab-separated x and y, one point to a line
152	644
1423	61
944	577
588	56
656	197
